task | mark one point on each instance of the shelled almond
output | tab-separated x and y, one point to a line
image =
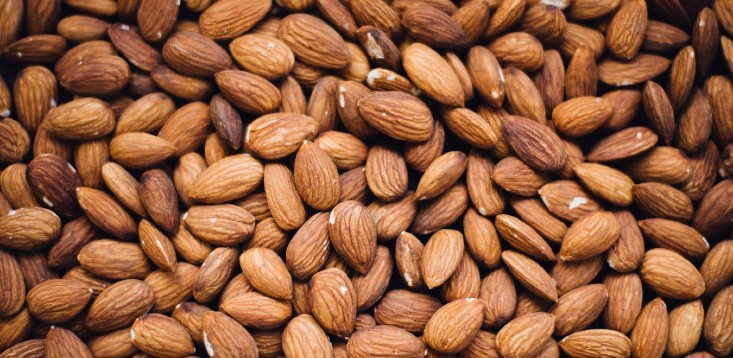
366	178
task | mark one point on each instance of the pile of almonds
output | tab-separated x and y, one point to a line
366	178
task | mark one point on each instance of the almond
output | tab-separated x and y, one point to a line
596	342
525	336
453	326
333	301
649	337
384	340
231	178
261	139
601	225
313	41
716	328
684	283
119	305
231	18
304	337
530	274
248	92
353	234
534	143
224	224
398	115
442	83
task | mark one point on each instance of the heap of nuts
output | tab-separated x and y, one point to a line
366	178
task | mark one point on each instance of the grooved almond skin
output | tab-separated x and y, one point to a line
567	200
682	69
124	186
277	135
695	123
624	301
407	310
32	348
398	115
345	150
187	170
178	85
225	337
314	41
622	144
671	166
58	300
316	177
35	93
378	14
433	75
570	275
225	20
717	88
81	119
628	251
380	160
530	274
717	327
534	143
715	211
253	309
483	193
625	104
671	275
717	269
128	40
625	32
518	49
523	97
231	178
74	235
465	281
160	199
119	305
225	224
309	247
649	337
178	50
533	212
596	343
13	287
106	213
470	127
675	236
160	335
114	259
641	68
56	181
499	297
578	308
589	236
441	257
486	75
702	169
453	326
525	336
157	247
432	27
581	78
304	337
442	173
214	273
382	340
371	286
282	197
581	115
522	237
262	55
685	328
91	155
227	122
248	92
62	342
137	150
607	183
393	218
266	271
333	301
353	234
516	177
408	252
17	141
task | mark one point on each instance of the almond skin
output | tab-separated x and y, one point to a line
384	340
44	300
264	270
313	41
333	301
228	19
303	336
534	143
119	305
601	225
685	283
353	234
596	342
462	316
230	178
397	114
433	75
525	336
